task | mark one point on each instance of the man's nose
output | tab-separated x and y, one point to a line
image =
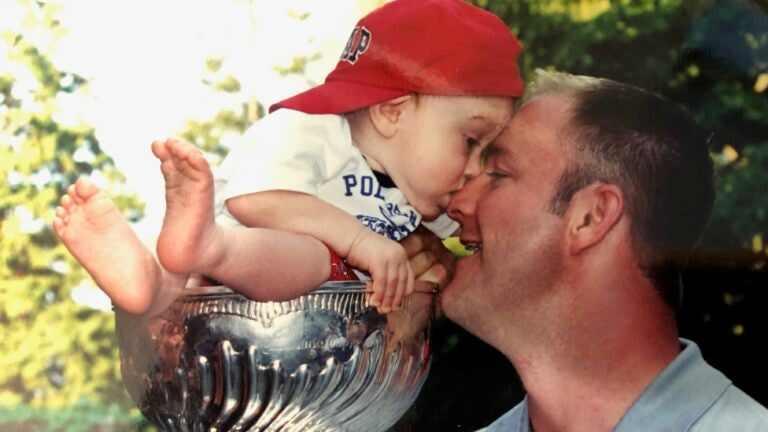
463	202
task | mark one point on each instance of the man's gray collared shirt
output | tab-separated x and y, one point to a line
689	395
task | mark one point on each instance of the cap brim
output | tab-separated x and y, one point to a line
338	97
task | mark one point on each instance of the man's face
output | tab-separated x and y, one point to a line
505	215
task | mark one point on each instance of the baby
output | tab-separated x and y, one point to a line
347	168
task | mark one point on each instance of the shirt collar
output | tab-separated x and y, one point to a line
678	396
514	420
384	180
673	401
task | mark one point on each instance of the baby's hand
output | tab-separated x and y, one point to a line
387	262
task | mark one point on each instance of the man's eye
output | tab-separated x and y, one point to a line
492	172
472	142
495	175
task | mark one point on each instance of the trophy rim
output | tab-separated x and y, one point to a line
332	287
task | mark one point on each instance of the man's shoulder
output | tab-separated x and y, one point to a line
691	395
733	410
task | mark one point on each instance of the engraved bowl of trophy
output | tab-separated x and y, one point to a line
325	361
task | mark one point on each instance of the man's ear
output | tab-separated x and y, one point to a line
386	116
594	211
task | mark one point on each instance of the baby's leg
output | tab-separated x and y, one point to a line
261	263
269	265
99	237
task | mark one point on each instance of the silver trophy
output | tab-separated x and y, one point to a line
325	361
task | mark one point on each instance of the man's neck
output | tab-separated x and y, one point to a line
587	373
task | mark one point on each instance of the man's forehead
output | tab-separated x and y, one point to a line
508	139
542	115
536	125
550	108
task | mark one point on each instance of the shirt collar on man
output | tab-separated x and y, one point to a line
667	404
677	397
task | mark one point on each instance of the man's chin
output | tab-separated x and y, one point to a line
450	299
467	265
465	285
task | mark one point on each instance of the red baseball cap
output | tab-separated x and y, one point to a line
438	47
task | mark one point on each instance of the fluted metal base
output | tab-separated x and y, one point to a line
327	360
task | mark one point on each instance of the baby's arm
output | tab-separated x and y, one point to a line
385	259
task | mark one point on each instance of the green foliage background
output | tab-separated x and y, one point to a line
59	360
47	339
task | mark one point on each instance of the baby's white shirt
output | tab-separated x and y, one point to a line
314	154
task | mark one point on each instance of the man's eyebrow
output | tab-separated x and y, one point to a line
489	151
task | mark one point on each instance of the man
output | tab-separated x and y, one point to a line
588	203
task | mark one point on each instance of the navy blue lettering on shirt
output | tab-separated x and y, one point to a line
394	223
363	186
384	227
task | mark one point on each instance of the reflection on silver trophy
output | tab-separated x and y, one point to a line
327	360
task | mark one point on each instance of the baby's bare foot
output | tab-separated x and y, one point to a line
100	238
189	223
